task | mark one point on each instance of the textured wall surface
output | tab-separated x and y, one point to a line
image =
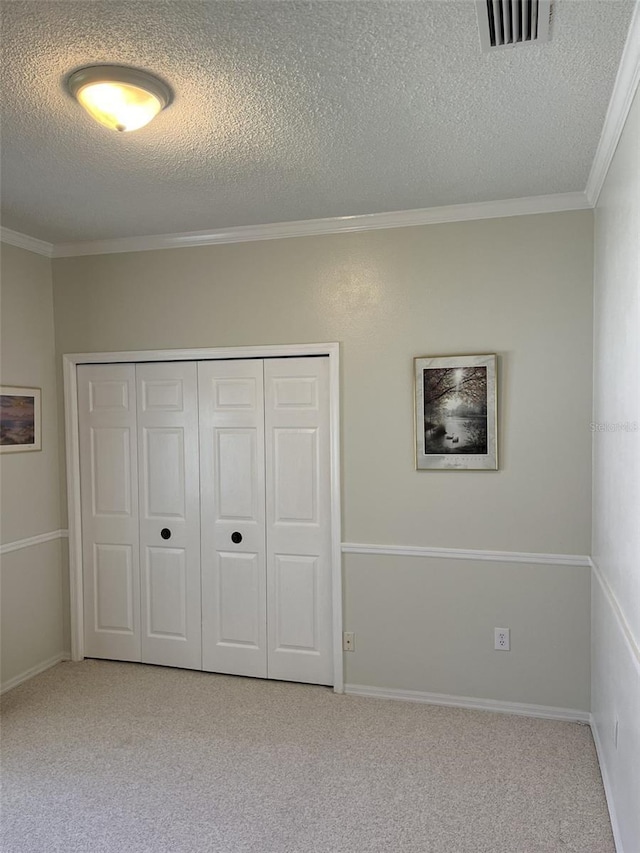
616	481
31	579
295	110
521	287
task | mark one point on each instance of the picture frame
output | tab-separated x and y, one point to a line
20	419
456	413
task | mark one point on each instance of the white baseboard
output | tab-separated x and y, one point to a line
546	712
608	791
35	670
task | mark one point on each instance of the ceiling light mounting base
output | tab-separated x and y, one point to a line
119	97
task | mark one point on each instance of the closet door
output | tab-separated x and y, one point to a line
298	519
109	499
233	524
169	513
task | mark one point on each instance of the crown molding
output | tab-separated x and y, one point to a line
335	225
624	90
23	241
554	203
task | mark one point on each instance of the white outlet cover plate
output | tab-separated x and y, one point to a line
502	639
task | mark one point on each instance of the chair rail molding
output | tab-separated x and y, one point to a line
19	544
623	625
466	554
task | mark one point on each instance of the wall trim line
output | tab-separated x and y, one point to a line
546	712
19	544
608	789
624	90
553	203
465	554
24	241
620	618
33	671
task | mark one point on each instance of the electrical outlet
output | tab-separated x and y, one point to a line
349	641
502	639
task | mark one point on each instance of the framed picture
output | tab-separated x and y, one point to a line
20	421
455	413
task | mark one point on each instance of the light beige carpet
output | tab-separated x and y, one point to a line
100	756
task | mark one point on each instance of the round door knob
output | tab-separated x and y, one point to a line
236	537
165	533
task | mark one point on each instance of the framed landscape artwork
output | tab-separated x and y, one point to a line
20	423
455	413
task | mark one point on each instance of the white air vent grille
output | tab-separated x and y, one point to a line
509	23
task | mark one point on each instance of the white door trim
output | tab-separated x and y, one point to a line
72	445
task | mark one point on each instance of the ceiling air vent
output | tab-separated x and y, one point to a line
509	23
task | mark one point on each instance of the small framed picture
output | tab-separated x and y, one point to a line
20	419
455	413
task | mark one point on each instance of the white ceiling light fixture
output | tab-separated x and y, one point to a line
119	97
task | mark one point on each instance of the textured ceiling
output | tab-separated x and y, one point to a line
294	110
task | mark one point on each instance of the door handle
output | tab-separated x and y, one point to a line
165	533
236	538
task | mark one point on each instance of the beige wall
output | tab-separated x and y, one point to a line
31	578
427	624
30	481
616	480
521	287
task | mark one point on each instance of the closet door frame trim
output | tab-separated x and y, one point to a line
72	446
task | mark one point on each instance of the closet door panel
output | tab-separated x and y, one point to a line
240	607
233	534
113	584
166	593
298	519
169	484
109	499
164	487
110	462
296	597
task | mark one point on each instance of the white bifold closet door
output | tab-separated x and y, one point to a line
206	515
141	512
169	486
298	501
266	532
110	528
234	614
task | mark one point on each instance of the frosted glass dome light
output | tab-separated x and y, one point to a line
118	97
